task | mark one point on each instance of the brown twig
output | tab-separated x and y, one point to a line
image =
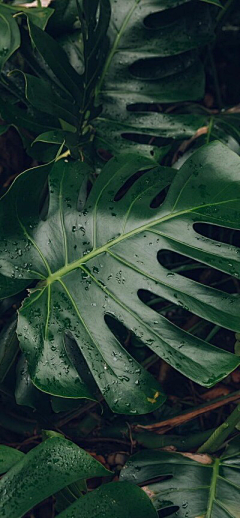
168	424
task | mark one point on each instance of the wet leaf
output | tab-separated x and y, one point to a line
121	500
196	489
8	457
92	257
45	470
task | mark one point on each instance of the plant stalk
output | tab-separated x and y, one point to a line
218	437
223	12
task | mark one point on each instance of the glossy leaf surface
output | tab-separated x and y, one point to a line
45	470
94	257
198	485
121	500
9	30
8	457
152	59
149	54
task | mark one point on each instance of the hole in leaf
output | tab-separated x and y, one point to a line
158	68
197	271
44	203
169	511
218	233
119	330
176	313
166	17
128	184
78	361
181	317
158	200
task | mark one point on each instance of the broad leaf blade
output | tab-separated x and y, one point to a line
45	470
152	58
8	458
94	258
197	484
121	500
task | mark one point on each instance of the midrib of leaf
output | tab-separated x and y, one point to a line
144	228
115	46
62	219
213	487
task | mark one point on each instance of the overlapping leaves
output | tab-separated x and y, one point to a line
59	466
130	53
196	485
93	258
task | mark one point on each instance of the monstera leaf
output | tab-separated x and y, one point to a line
59	466
94	258
129	55
152	59
196	485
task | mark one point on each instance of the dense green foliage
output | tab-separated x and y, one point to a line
119	249
198	484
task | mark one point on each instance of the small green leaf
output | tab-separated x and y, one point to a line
49	99
30	119
58	62
9	35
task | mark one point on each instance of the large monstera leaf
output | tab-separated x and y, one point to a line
152	59
126	53
93	258
197	486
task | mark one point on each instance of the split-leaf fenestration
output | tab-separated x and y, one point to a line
93	257
125	53
195	485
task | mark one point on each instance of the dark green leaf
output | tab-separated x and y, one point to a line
119	500
8	347
152	59
93	258
58	62
110	127
199	485
9	35
27	118
46	98
9	457
64	17
38	15
45	470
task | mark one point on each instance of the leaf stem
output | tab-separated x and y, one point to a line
223	12
218	437
215	79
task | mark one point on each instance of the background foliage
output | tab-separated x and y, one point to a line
119	273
